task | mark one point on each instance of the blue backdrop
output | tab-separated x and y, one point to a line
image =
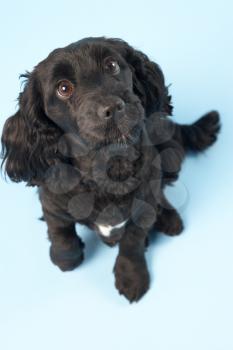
189	305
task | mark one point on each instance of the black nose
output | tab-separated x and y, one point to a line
113	109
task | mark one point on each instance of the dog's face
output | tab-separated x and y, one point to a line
98	90
88	91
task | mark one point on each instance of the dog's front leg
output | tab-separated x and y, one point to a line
67	248
131	273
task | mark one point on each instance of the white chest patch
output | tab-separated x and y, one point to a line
107	229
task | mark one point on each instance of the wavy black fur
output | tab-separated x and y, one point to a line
104	155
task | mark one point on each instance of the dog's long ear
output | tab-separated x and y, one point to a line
149	83
29	138
148	79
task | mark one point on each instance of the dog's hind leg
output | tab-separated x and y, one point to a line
168	219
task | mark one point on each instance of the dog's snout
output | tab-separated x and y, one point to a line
110	110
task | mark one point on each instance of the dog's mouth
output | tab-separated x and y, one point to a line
101	136
82	143
122	136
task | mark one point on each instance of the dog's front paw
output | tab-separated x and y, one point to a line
131	277
67	256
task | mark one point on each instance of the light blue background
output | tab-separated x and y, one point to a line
189	305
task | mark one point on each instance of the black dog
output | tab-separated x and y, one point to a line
92	132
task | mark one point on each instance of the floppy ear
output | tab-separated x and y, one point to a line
149	83
148	79
29	138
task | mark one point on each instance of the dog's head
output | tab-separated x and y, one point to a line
98	90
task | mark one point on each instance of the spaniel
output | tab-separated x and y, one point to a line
93	132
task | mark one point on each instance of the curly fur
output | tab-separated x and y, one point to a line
96	172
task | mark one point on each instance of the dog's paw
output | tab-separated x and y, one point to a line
110	244
131	277
69	257
110	241
169	222
207	129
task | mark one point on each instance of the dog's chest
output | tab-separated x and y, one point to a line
110	210
114	171
109	183
106	230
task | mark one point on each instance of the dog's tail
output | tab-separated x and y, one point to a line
201	134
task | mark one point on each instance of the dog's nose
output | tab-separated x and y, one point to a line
114	109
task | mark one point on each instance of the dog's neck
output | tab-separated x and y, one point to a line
113	168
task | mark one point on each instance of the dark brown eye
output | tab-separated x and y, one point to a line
111	66
65	89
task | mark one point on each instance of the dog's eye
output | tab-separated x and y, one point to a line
111	66
65	89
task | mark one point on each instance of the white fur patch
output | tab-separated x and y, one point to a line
107	229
